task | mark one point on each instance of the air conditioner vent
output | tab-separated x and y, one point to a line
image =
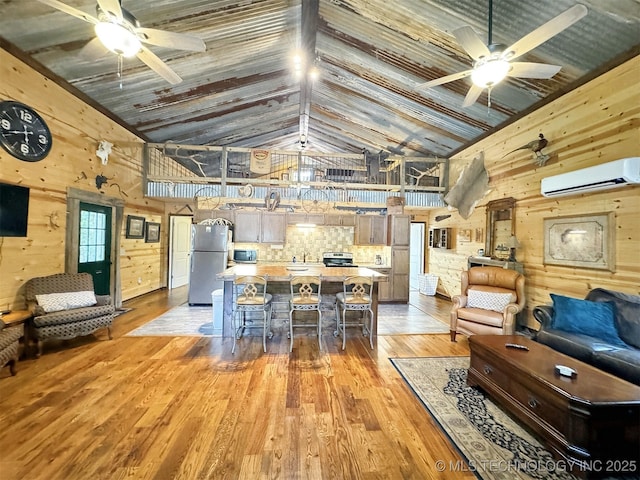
600	177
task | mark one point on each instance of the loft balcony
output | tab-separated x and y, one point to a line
230	177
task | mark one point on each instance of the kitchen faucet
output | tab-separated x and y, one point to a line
304	257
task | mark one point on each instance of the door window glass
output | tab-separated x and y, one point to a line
92	236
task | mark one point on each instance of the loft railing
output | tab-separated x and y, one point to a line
237	175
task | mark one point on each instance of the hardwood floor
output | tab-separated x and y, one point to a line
185	407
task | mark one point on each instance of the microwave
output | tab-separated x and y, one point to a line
245	256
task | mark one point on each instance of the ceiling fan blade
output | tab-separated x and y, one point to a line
162	38
93	50
472	95
158	66
533	70
70	10
447	79
471	42
546	31
111	8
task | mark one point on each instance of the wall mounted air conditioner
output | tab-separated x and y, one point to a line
599	177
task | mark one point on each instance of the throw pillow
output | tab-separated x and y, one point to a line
488	300
56	302
595	319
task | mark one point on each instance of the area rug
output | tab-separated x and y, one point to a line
493	444
407	319
183	320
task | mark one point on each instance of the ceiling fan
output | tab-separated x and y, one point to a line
120	32
494	62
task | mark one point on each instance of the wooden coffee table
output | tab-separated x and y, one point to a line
591	422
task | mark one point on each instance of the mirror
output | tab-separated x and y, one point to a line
501	225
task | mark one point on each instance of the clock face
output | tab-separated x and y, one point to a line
23	133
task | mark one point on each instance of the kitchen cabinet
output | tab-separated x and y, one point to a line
247	227
398	230
312	218
370	230
274	227
385	288
400	274
339	220
440	238
260	227
201	215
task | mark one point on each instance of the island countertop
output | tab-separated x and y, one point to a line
282	273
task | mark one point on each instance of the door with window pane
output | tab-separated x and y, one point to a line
94	245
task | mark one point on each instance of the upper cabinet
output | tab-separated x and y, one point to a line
309	218
398	230
274	227
339	220
260	227
247	227
440	238
201	215
370	230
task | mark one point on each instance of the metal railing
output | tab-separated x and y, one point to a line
183	171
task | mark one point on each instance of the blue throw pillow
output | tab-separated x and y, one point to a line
596	319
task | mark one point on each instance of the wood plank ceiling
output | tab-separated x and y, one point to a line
370	56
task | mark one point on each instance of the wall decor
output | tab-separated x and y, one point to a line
464	235
585	241
152	232
23	132
135	227
479	235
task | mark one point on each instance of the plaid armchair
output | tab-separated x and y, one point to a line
64	306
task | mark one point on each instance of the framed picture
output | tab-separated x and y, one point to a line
464	235
479	235
152	232
585	241
135	227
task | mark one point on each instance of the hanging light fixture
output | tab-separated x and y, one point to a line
118	38
489	72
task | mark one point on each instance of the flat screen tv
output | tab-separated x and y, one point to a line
14	210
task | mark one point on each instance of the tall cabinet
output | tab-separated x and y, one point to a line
398	236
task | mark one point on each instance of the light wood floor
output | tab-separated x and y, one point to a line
185	407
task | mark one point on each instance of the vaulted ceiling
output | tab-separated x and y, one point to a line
371	57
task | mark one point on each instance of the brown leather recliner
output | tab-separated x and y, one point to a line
490	300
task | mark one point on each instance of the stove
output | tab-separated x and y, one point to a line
338	259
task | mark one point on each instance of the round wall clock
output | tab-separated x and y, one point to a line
23	132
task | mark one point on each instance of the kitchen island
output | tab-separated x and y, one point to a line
278	283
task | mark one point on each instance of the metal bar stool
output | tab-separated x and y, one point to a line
356	295
305	296
251	296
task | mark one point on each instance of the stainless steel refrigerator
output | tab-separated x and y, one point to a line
209	256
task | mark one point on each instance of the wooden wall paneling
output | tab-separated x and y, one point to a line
72	162
594	124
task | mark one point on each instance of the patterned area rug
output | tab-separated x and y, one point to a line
494	445
183	320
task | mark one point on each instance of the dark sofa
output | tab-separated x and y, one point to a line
619	355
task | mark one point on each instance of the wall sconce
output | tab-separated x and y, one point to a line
512	243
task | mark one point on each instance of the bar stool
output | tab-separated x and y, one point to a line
251	296
305	296
356	295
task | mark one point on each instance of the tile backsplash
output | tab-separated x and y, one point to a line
314	242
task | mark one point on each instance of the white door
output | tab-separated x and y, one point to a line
416	254
179	251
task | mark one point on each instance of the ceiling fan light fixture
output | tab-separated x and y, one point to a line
118	38
489	73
